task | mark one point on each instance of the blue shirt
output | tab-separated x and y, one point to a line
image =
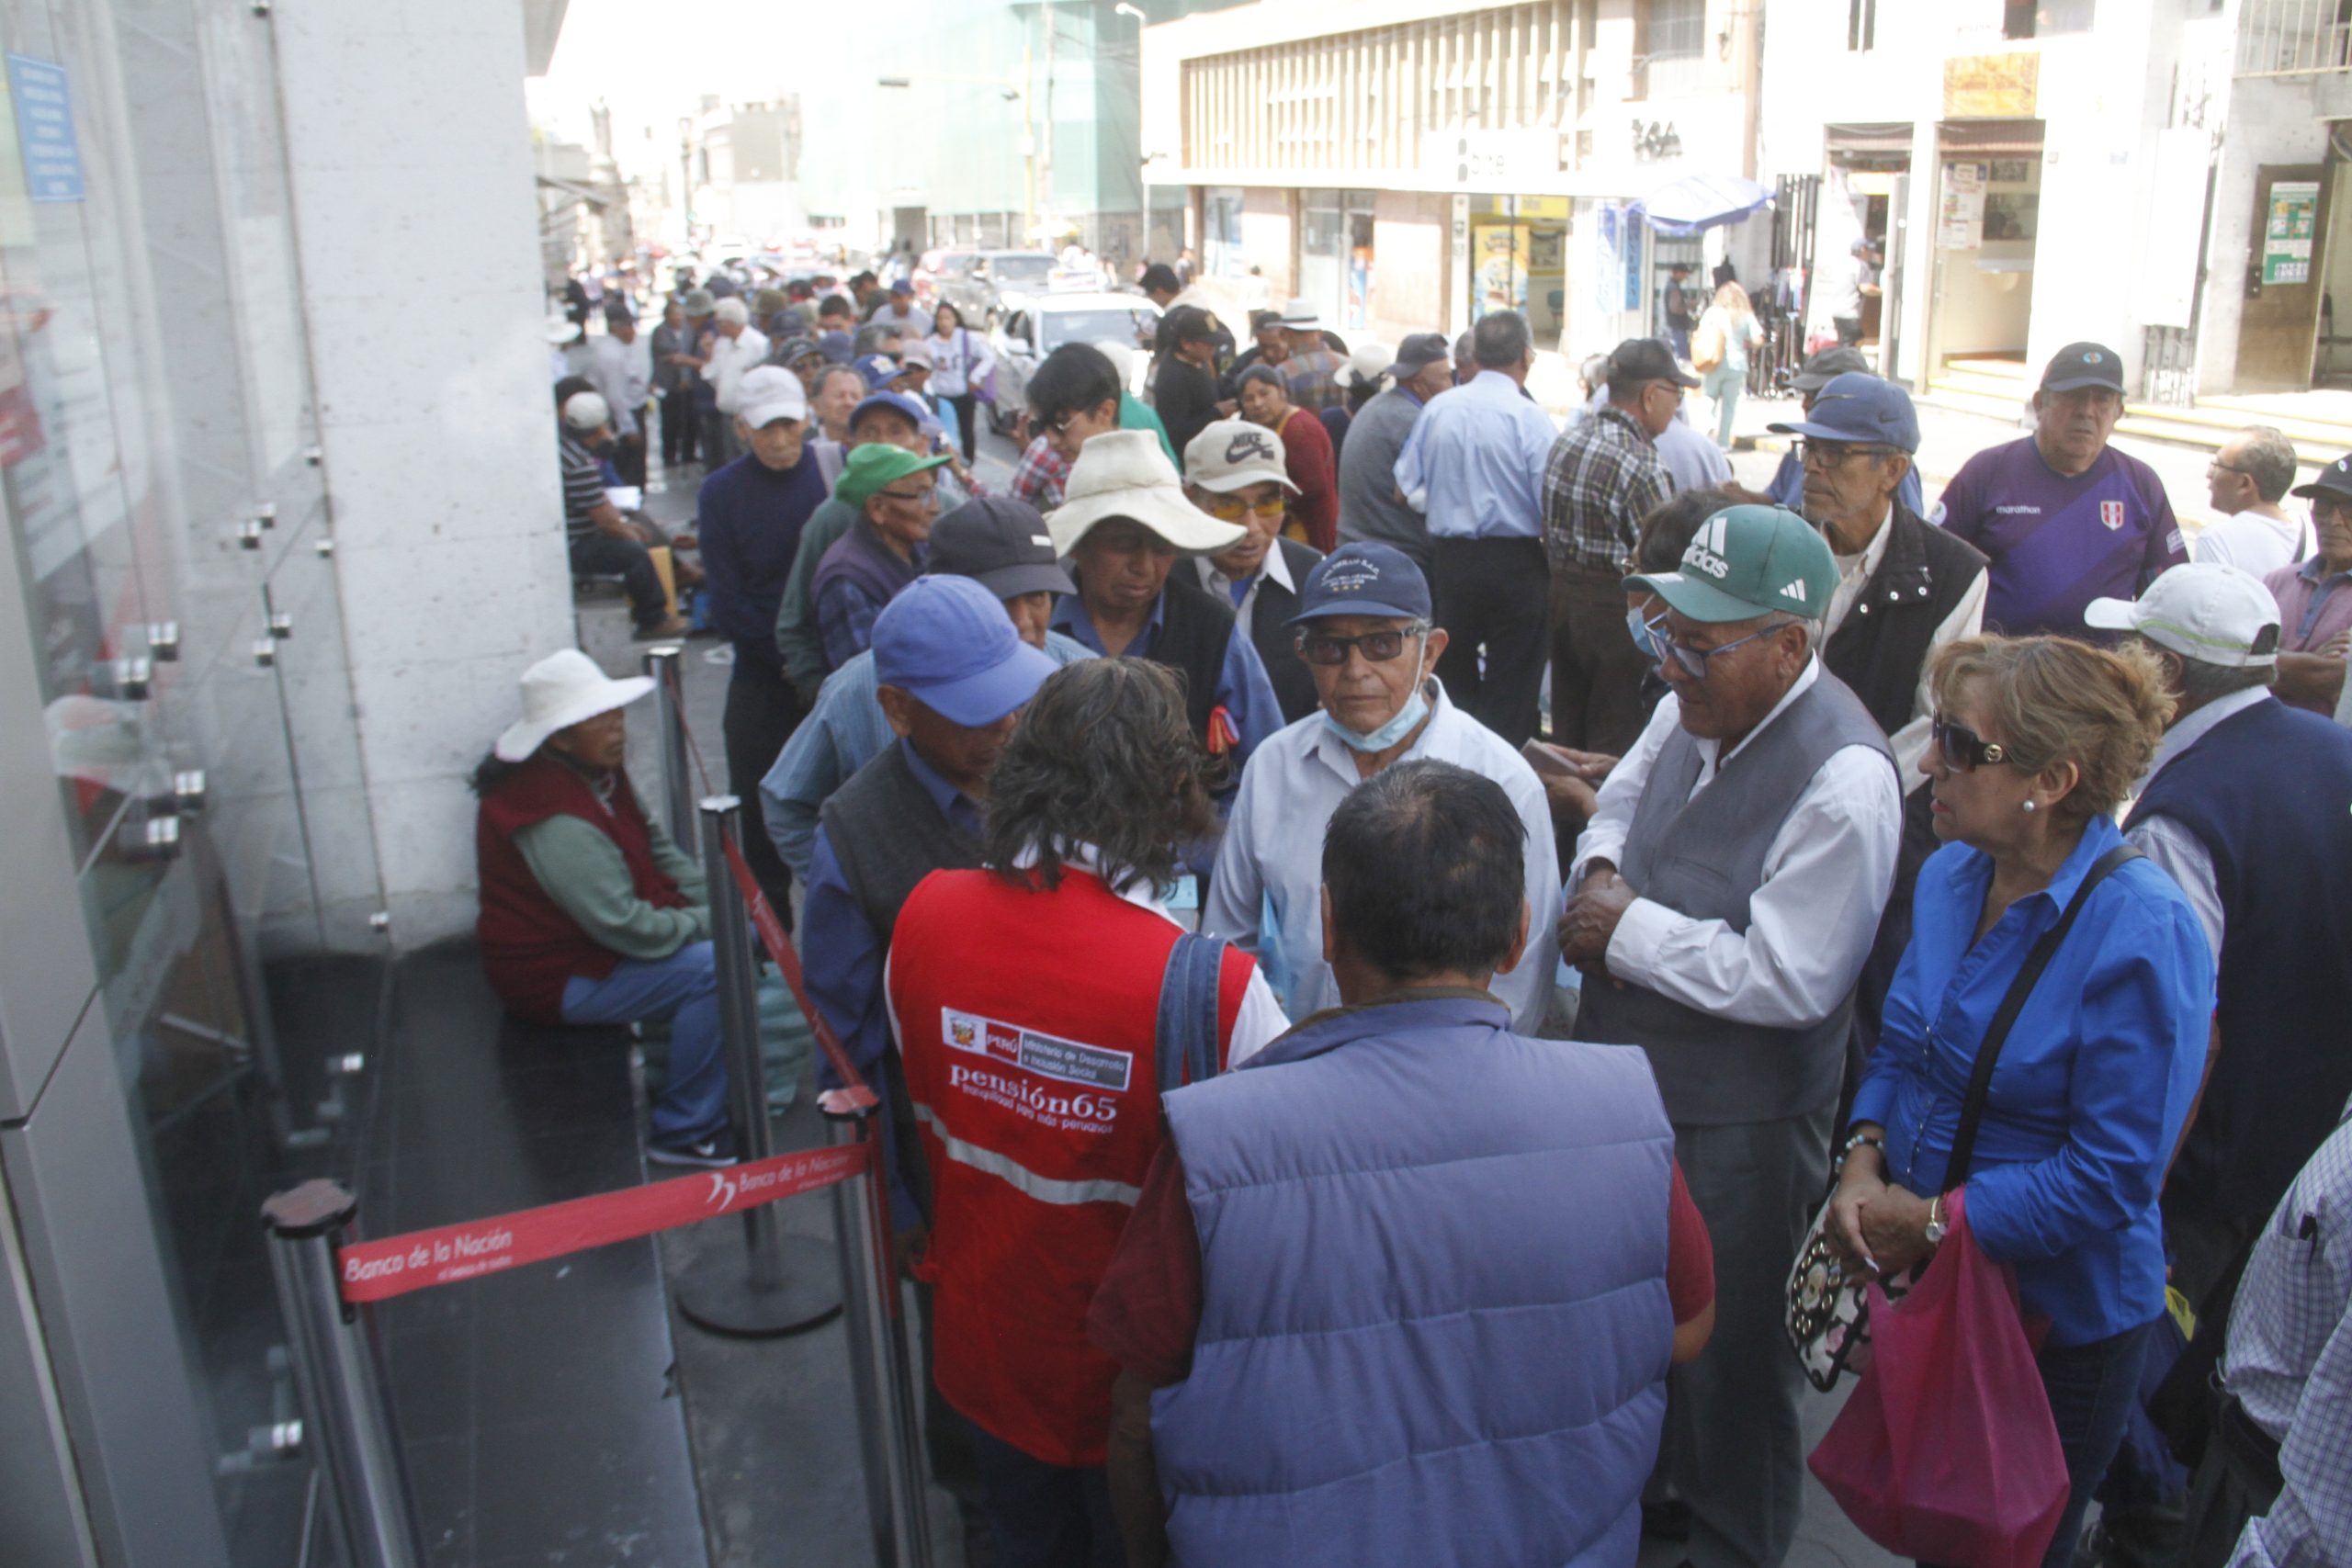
843	732
1474	464
2088	1100
749	517
1788	485
1243	689
843	954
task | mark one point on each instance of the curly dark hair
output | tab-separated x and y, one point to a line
1105	755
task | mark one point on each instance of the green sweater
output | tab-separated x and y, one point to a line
581	869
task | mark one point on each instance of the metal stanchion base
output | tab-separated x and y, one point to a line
716	1292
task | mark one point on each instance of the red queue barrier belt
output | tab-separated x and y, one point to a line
374	1270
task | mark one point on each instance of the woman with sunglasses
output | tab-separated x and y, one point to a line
2036	743
1235	473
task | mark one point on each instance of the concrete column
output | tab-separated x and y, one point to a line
416	220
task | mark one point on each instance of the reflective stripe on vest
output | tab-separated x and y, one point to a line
1044	1189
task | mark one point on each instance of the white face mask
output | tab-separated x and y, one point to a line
1415	709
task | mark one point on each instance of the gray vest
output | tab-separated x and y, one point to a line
1706	858
888	834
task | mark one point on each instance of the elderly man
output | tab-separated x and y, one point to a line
749	516
1121	525
2244	798
1351	1252
2314	612
1237	473
1473	467
1310	371
602	542
1364	632
620	365
1602	479
2246	484
735	346
674	383
2062	516
1001	544
895	494
1371	506
1728	890
1819	369
1905	589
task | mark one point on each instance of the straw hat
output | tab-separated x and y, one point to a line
559	691
1123	473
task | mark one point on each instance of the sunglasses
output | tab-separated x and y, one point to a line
1962	748
1232	508
1694	659
1378	648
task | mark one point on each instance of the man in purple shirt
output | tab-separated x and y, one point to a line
2315	598
2062	518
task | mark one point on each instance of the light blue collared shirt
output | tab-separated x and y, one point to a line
1474	464
1243	689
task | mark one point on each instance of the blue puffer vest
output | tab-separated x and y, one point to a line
1435	1328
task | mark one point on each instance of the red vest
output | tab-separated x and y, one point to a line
529	946
1026	1020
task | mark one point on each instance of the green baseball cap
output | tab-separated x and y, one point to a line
1747	561
877	463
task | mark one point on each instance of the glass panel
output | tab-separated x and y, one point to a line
1320	230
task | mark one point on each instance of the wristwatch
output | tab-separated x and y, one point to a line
1936	1227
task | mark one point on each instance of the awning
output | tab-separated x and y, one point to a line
1700	202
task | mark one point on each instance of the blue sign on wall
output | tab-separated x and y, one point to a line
45	130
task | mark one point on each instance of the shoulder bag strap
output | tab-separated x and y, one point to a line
1996	1034
1185	1039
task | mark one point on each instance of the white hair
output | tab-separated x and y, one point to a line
732	310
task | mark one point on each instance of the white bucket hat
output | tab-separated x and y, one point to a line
1369	363
1123	473
1300	316
559	691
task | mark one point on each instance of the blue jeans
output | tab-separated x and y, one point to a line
683	990
1044	1515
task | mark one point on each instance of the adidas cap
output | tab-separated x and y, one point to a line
1747	561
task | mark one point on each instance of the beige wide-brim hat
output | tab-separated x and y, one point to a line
559	691
1123	473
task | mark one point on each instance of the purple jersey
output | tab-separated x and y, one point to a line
2055	543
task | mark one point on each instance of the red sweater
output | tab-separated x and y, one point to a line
1306	451
1026	1020
529	946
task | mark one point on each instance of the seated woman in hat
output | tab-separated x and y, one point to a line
588	913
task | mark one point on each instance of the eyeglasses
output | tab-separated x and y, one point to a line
1962	748
2218	467
1232	508
1377	648
1836	454
1694	659
913	496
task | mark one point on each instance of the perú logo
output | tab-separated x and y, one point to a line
2110	513
722	1191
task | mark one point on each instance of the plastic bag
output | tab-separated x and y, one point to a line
1947	1452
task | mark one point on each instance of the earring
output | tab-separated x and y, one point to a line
2029	806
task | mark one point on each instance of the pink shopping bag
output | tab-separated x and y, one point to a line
1946	1452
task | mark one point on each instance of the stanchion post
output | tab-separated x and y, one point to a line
348	1423
780	1283
662	662
888	1424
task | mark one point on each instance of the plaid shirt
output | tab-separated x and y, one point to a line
2289	1362
1311	379
1603	478
1039	478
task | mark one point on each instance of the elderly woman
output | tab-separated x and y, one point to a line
1033	1000
1307	448
588	913
2037	739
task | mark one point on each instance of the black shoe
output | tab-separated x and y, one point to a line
1669	1521
707	1154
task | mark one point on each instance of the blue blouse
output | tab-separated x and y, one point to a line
2087	1099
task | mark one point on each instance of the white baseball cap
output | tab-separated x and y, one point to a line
771	392
587	411
1233	453
2212	614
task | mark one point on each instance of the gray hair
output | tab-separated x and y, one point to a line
732	310
2268	457
1501	341
2201	683
830	371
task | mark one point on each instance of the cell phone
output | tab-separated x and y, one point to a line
1543	760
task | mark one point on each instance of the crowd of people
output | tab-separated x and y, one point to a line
1347	1107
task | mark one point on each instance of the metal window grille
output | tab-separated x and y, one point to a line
2294	37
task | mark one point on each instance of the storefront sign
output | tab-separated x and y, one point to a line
2287	230
1491	159
1992	86
1960	214
45	138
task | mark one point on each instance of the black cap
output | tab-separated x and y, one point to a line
1647	359
2333	479
1000	543
1820	368
1417	352
2080	364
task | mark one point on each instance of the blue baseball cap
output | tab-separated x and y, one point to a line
879	369
1859	407
946	642
899	400
1364	580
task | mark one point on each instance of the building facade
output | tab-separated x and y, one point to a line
277	464
1408	166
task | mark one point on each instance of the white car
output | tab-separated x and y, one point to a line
1026	335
